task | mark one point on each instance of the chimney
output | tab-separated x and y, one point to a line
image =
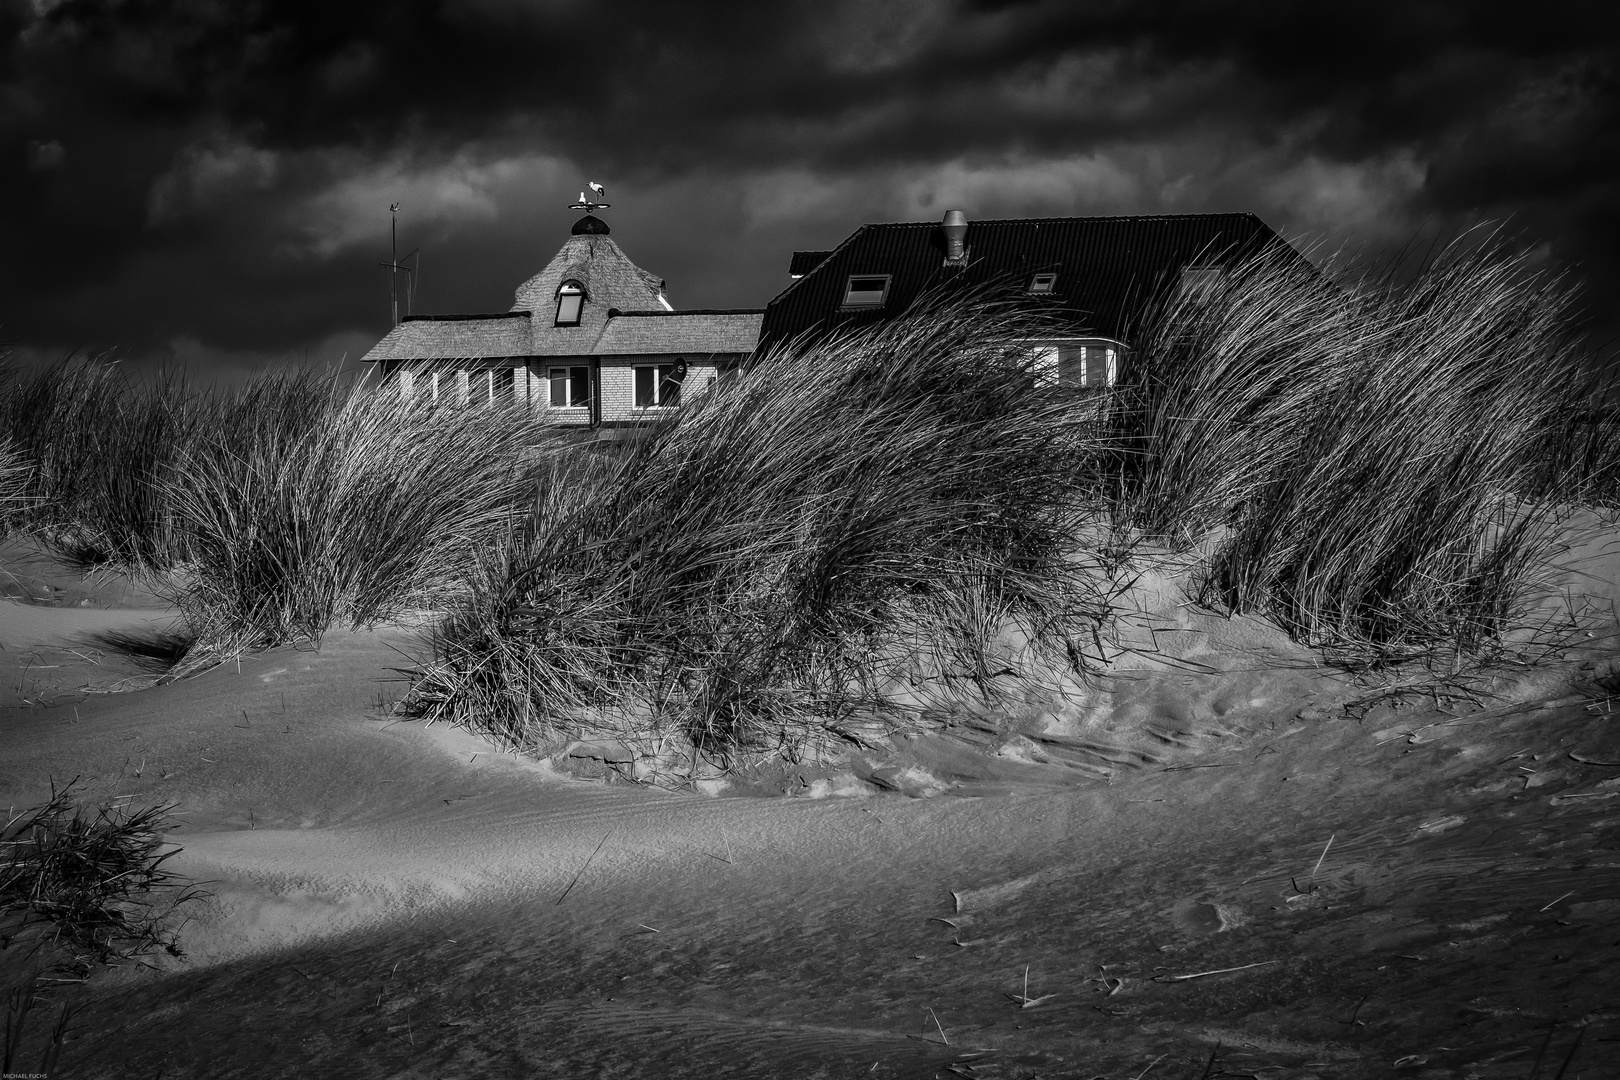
955	229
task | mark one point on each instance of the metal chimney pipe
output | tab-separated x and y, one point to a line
955	229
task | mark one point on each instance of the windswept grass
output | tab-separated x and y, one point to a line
269	510
752	573
1375	451
96	444
354	508
87	886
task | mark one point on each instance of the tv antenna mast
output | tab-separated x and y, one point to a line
395	268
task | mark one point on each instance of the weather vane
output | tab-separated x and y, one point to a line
588	204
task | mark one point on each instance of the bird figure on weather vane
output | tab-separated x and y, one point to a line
587	203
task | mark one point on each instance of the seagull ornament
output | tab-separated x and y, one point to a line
591	203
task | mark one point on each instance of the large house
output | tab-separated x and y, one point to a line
1094	275
593	342
590	340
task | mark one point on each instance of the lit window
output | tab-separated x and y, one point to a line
570	387
570	298
659	386
1199	283
867	291
1042	284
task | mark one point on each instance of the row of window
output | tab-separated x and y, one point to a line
654	385
871	290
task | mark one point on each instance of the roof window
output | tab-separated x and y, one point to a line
1199	283
1043	284
570	298
866	290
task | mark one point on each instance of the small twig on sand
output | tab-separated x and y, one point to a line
1152	1063
1217	971
654	929
1569	1057
571	884
941	1027
1570	893
1318	865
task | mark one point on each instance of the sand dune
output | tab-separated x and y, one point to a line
1202	855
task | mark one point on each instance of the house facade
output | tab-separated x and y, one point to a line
591	341
1095	276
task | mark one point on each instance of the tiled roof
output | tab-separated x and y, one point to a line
455	337
1107	267
640	333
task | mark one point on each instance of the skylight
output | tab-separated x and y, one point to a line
866	290
1042	284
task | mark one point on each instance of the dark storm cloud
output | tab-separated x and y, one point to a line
212	177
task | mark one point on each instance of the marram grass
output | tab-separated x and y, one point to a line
1385	457
753	572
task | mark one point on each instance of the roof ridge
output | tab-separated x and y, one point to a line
1042	220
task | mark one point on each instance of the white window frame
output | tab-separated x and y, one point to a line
863	299
658	381
568	373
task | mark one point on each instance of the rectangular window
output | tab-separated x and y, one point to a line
1043	284
503	385
1046	365
570	387
1099	366
659	386
866	291
1199	283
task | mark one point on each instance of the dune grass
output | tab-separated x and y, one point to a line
267	510
360	505
86	885
1382	455
749	574
95	443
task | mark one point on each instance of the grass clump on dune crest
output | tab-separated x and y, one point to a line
268	510
360	506
751	573
95	443
1379	454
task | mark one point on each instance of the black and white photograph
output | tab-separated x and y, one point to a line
912	539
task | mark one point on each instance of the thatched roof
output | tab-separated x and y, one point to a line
456	337
643	333
624	314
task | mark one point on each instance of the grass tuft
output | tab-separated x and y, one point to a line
82	884
1375	453
351	507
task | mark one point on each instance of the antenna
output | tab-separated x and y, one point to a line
395	268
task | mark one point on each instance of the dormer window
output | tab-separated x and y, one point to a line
1043	284
866	290
570	298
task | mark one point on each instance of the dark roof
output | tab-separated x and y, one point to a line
1107	268
805	261
590	225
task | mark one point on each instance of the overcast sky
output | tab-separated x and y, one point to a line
209	180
